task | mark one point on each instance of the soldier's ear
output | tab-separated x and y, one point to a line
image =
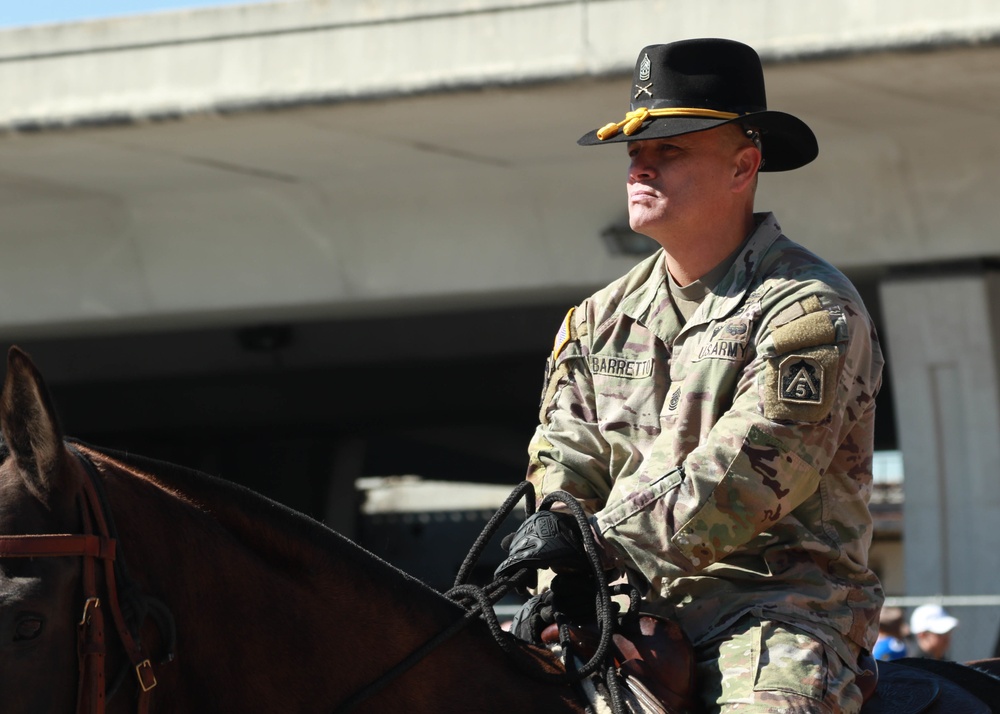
746	164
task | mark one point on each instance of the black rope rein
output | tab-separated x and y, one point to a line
479	601
604	608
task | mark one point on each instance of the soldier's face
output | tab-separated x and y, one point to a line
675	184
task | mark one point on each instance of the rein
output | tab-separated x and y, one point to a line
463	593
97	546
484	598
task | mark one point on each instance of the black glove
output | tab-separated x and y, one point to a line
572	596
546	539
533	617
575	596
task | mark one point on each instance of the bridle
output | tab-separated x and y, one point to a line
98	547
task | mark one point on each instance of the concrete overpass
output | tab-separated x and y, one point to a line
335	238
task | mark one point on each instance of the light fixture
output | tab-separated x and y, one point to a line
619	239
264	338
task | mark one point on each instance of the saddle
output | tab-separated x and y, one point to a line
656	663
653	656
920	686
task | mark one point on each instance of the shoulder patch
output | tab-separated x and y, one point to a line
810	330
801	386
565	334
800	380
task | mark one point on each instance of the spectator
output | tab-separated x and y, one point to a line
892	632
931	627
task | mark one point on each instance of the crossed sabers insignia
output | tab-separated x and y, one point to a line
641	89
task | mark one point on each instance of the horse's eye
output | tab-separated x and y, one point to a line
27	628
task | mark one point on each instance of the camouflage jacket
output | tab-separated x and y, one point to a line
726	461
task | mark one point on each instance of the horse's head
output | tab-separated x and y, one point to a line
39	597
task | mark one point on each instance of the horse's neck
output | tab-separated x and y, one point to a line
212	524
258	590
275	612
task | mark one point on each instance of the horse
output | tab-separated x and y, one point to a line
273	612
214	598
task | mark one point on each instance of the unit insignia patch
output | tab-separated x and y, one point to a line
800	380
801	386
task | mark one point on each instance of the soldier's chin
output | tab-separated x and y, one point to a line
637	221
643	227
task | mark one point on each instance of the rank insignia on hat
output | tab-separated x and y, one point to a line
800	380
644	67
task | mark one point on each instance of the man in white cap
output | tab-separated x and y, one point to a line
931	627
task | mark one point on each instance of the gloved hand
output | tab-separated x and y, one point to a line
575	596
533	617
546	539
572	595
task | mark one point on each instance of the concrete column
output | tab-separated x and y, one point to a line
942	341
347	462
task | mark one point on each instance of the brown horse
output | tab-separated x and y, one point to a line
272	611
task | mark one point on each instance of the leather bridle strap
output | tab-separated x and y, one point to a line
93	548
91	646
55	546
133	649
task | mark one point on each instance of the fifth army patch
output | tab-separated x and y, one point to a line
800	380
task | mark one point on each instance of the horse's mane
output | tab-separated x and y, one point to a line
288	539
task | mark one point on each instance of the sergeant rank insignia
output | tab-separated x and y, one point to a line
644	67
800	380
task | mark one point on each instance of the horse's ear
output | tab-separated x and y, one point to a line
30	426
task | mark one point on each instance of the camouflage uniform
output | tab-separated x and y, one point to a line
801	676
726	461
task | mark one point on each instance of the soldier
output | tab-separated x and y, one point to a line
713	409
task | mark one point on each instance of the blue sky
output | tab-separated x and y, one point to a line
16	13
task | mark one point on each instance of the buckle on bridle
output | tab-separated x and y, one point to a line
91	601
143	669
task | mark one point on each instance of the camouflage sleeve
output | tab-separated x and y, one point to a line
810	379
567	451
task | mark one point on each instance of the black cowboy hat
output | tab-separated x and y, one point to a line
693	85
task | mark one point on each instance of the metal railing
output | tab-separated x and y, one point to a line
943	600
